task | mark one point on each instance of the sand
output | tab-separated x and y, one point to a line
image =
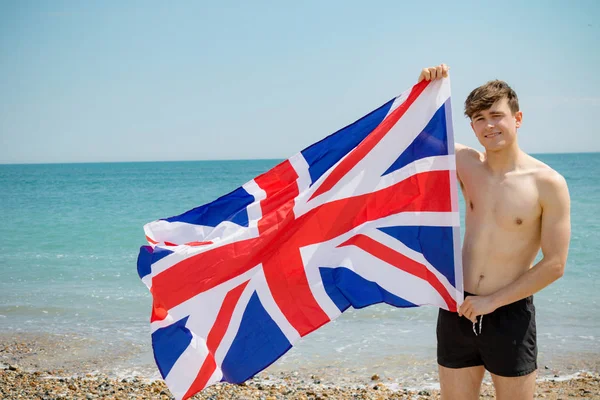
29	371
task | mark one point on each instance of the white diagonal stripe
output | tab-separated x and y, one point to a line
184	371
235	322
266	298
401	248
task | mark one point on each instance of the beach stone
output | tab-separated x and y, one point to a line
375	377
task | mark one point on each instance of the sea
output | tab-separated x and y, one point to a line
70	235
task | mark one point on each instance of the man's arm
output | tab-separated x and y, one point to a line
465	158
461	151
555	237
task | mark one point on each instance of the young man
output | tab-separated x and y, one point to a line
515	205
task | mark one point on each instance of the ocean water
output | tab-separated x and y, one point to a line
70	235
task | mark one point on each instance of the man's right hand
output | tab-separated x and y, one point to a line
433	73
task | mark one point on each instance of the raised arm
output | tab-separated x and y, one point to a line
464	155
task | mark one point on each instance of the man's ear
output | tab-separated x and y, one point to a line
519	118
472	127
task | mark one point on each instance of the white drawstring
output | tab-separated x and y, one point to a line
475	325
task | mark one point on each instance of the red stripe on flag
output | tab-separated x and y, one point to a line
401	262
369	142
224	317
159	312
150	240
284	271
288	285
281	189
427	191
208	368
193	244
155	242
214	338
204	271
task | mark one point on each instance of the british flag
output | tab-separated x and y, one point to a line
367	215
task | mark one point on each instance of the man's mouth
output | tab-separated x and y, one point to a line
491	135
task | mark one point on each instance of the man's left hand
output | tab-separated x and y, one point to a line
474	306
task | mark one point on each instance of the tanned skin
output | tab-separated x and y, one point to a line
515	206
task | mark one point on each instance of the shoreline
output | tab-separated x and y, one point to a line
39	366
16	383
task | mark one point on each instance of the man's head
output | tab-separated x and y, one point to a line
483	97
494	112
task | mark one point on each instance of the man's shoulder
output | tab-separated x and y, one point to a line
550	182
544	174
466	153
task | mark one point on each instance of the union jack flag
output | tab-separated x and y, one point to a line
367	215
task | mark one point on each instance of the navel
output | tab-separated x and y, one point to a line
519	221
471	205
480	279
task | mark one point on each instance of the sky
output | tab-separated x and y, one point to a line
194	80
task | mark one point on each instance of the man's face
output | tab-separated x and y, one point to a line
496	127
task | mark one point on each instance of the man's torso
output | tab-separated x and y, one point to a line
503	221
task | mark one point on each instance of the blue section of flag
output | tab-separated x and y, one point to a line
432	141
144	261
258	344
436	243
347	288
147	257
231	207
159	254
324	154
169	343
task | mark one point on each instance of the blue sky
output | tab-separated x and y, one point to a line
148	81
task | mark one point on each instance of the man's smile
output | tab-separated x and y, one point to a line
491	135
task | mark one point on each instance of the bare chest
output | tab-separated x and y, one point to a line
510	203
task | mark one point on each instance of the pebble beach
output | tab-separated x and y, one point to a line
30	370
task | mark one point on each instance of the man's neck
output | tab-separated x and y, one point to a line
505	160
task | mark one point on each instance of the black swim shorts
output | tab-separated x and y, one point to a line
504	341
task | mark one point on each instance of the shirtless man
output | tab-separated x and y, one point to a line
515	205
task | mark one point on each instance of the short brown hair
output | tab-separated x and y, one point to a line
486	95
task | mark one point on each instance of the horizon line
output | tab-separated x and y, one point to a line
208	159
